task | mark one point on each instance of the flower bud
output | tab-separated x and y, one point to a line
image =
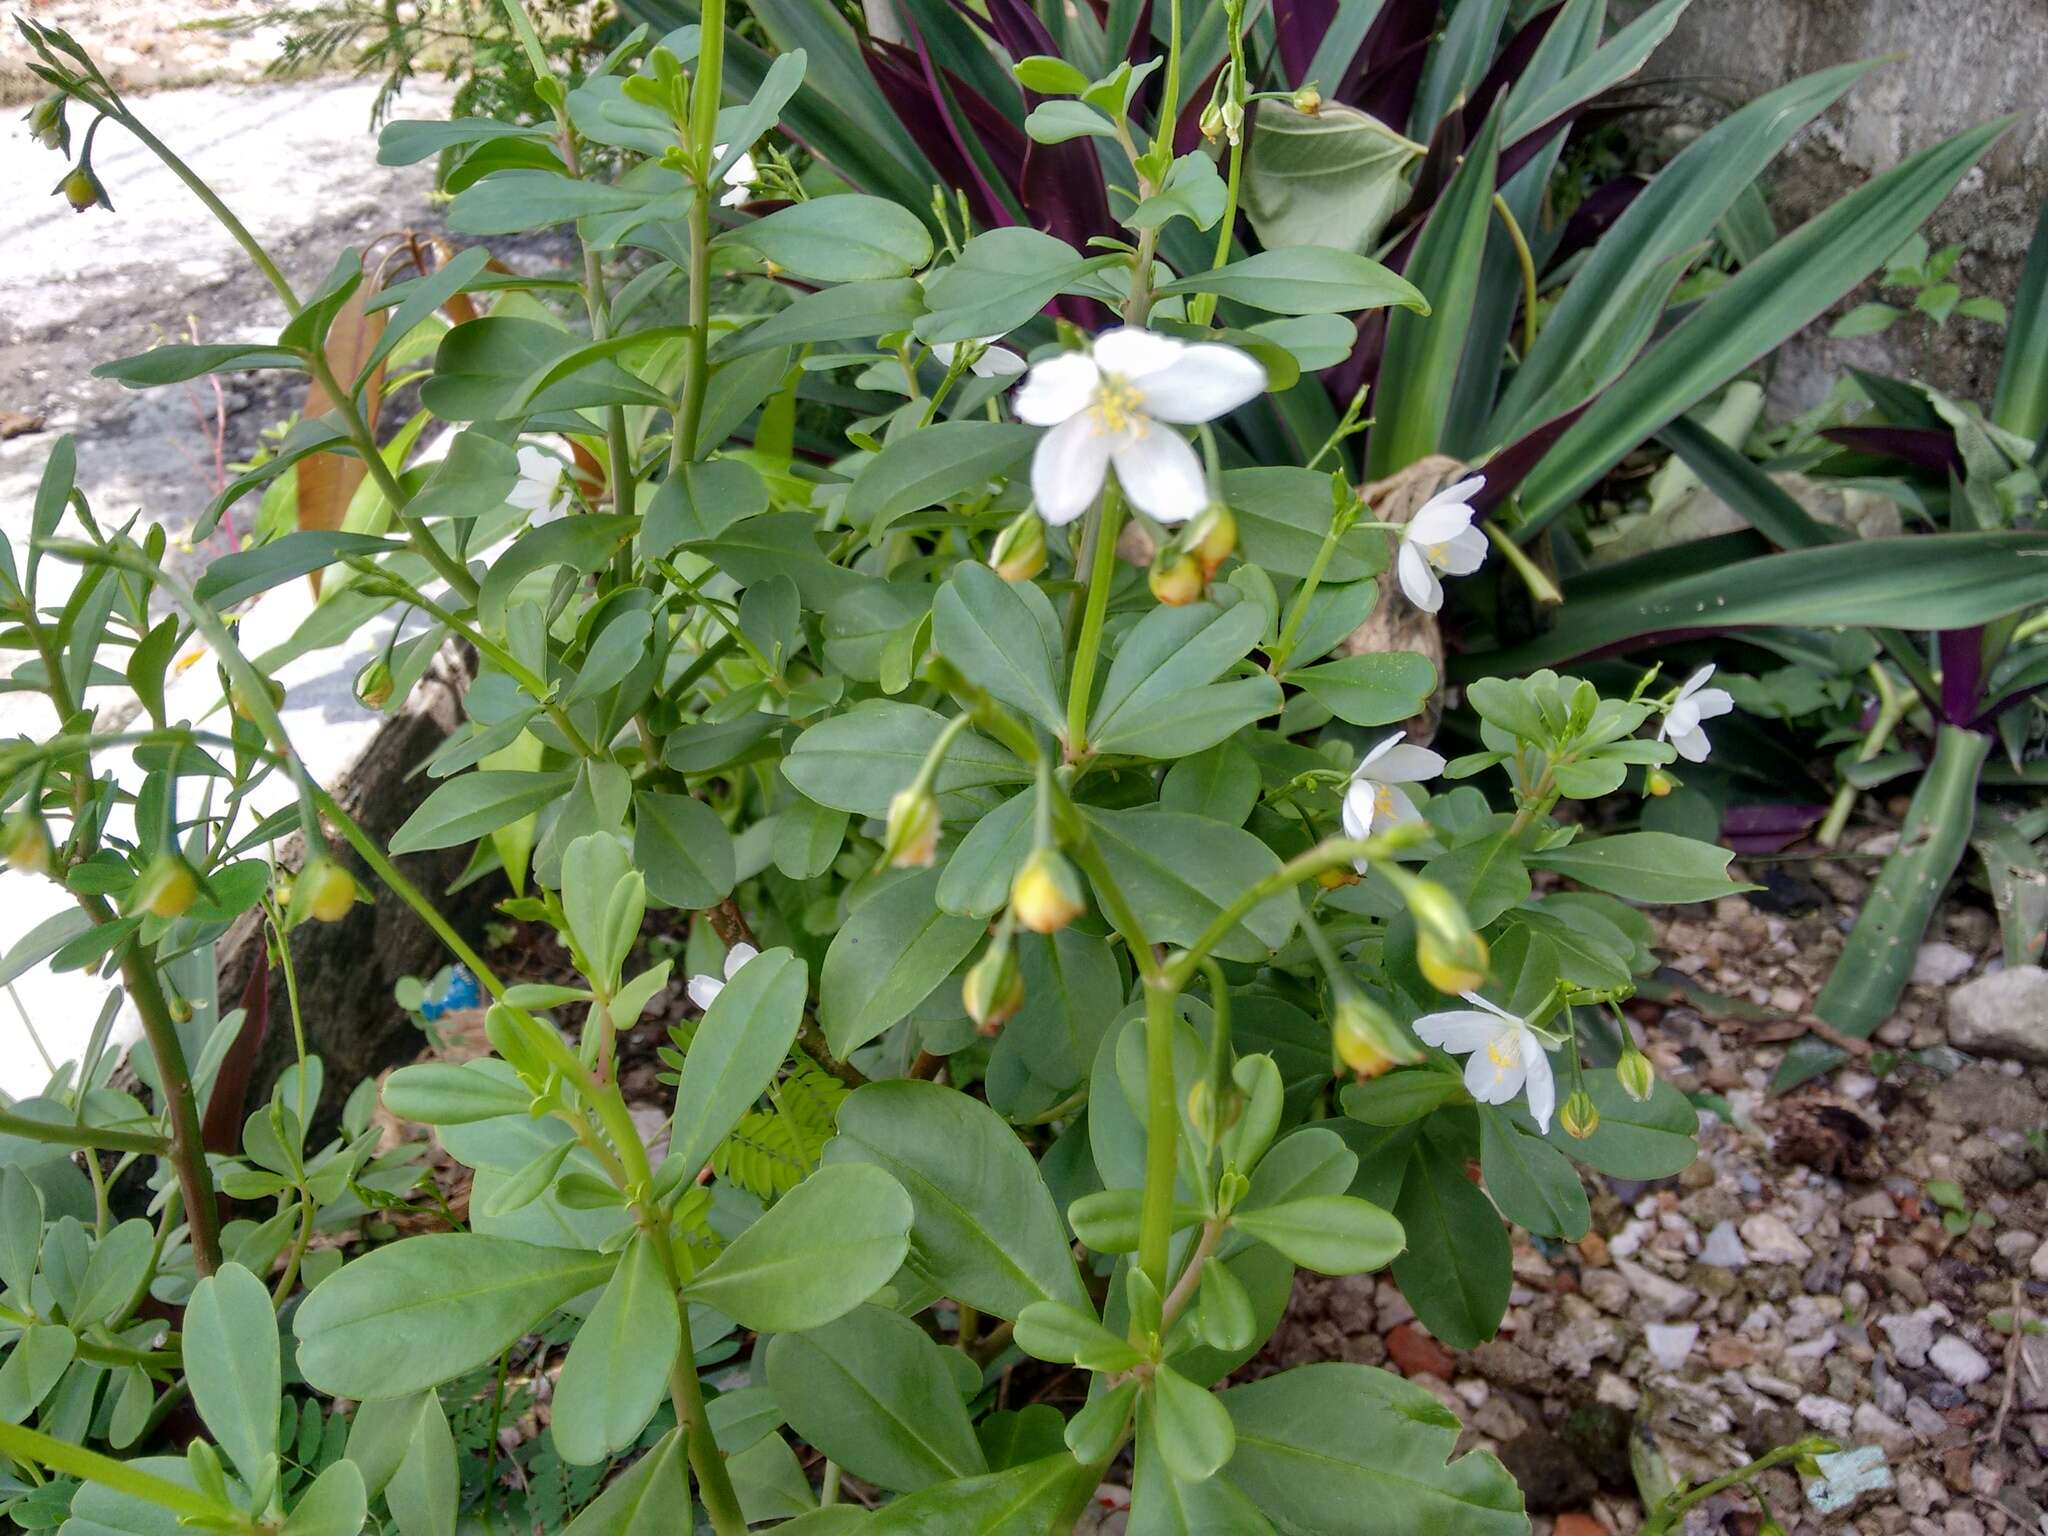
1659	783
327	891
1177	579
1308	101
993	988
1337	879
239	702
26	843
1637	1077
1212	537
1019	553
1212	122
1368	1040
82	189
1209	1118
1451	967
374	682
1045	896
1233	122
167	888
1438	914
1579	1117
46	124
913	835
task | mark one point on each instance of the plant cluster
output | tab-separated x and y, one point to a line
968	624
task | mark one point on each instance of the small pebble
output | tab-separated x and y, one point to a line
1671	1343
1723	1248
1959	1360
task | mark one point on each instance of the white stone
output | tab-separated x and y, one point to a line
2002	1014
1671	1343
1723	1248
2038	1266
1657	1297
1770	1240
1912	1333
1829	1415
1959	1360
1938	964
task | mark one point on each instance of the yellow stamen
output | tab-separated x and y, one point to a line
1438	555
1382	801
1504	1051
1118	405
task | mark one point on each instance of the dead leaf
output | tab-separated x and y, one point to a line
328	481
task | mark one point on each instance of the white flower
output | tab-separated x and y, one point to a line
1374	796
1682	716
539	488
1440	537
739	178
991	362
703	989
1506	1055
1107	406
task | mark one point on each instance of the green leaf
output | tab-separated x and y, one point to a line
849	312
1401	1098
408	141
583	543
1656	1140
819	1252
231	578
734	1055
115	1274
483	365
1318	1444
335	1505
643	1500
1161	698
877	1395
1056	122
1486	875
1770	299
1195	1433
175	364
34	1367
684	850
1331	1234
1163	1503
1003	636
1376	688
857	761
1606	67
1457	1269
1073	988
1864	320
1050	1331
2021	402
473	480
1022	1501
232	1365
423	1491
1334	179
1424	349
425	1310
946	461
515	201
808	838
461	810
1532	1182
986	1231
1003	277
892	952
1194	191
1645	866
1304	280
1219	784
976	879
444	1093
1179	873
21	1229
847	239
700	502
616	1372
1283	515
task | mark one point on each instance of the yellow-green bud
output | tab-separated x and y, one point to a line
1233	122
1212	122
1637	1077
1438	913
26	842
239	702
1336	879
1212	537
82	189
1580	1117
1177	578
167	888
46	124
913	836
374	683
1659	783
1367	1039
1019	553
1308	101
1204	1114
1045	896
328	890
1459	967
993	988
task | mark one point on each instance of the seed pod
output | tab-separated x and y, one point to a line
26	843
1045	896
82	190
1659	783
1019	552
1212	537
1177	579
912	839
1308	101
167	888
327	890
1580	1117
46	124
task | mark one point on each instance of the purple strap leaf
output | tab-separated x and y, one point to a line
1962	673
1930	448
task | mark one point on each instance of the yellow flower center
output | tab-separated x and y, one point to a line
1382	801
1438	555
1504	1051
1118	406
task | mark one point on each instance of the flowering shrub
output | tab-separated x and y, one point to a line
1144	870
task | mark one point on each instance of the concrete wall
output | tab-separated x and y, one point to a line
1960	62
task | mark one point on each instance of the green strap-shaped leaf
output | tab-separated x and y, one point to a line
2021	403
232	1366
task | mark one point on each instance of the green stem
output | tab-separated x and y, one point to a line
1528	266
1297	610
697	336
1162	1131
53	1134
27	1445
714	1482
225	215
1893	704
1101	574
1335	854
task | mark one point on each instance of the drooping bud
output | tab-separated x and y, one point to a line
1637	1077
1451	967
1019	552
1211	537
912	839
326	890
374	683
26	843
46	124
1368	1040
1176	578
1336	879
1209	1118
1233	122
238	700
167	888
1659	783
1308	101
1580	1117
1045	896
82	189
993	988
1212	122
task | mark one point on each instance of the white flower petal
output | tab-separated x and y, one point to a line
1696	682
1463	553
736	957
1207	381
1379	750
1134	352
1359	805
1400	809
1491	1007
1692	745
1160	474
1057	389
1459	1031
1418	581
1494	1075
997	363
1709	702
1459	494
703	989
1542	1085
1682	719
1405	764
1437	523
1067	468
